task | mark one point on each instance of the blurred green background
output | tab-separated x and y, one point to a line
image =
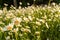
24	2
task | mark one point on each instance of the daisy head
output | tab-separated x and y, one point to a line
9	27
17	21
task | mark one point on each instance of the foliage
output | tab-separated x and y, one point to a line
31	23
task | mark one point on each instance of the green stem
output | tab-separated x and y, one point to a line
49	2
16	35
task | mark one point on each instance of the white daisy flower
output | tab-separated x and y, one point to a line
9	27
17	21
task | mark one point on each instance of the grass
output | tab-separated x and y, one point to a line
31	23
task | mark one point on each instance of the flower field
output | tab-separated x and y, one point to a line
31	23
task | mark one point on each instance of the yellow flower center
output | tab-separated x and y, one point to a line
16	22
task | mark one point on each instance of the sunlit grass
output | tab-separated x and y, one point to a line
30	23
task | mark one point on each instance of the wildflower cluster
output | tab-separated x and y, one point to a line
31	23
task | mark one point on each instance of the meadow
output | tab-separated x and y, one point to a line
30	23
